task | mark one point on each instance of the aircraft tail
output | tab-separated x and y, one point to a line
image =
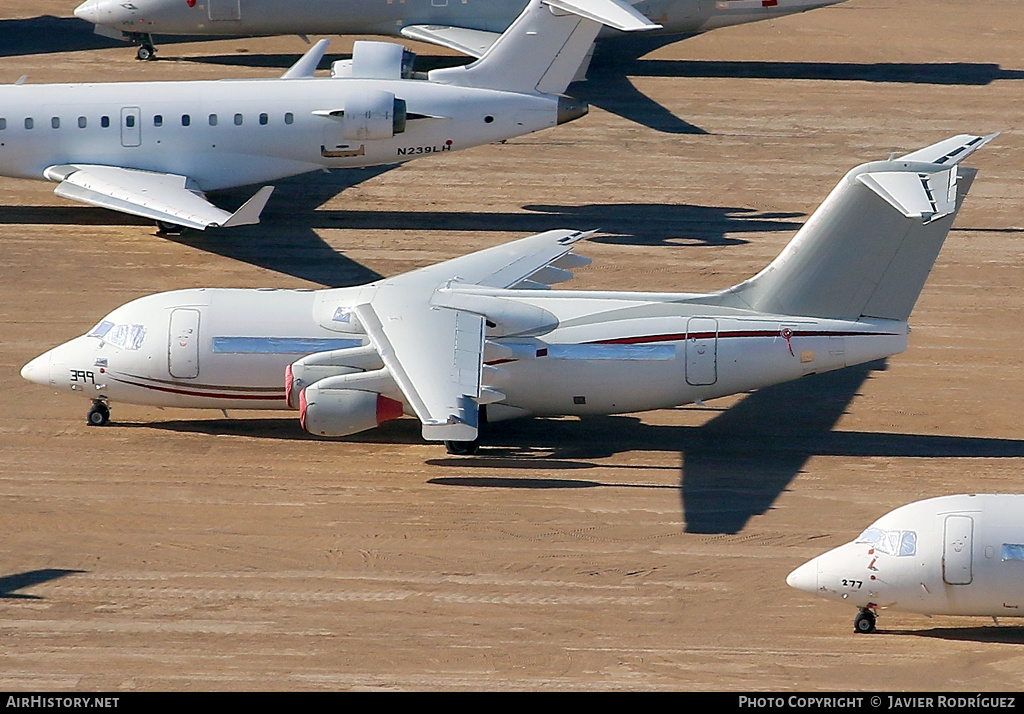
868	249
544	48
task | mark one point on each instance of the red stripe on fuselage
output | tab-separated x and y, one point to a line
214	395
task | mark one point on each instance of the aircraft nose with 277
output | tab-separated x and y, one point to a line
476	334
153	149
951	555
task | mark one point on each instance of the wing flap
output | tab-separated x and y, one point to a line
435	357
159	197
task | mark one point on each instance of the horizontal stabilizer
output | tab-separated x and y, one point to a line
461	39
608	12
950	151
307	64
927	196
168	198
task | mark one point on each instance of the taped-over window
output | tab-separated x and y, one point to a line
127	337
1013	551
899	543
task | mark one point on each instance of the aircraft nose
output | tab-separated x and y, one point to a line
805	577
89	12
38	370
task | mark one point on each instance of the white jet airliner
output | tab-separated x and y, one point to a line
153	148
443	341
952	555
468	26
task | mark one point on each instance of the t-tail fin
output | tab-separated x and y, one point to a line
544	48
868	249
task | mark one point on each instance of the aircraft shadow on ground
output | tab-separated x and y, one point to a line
48	34
733	467
1004	634
10	583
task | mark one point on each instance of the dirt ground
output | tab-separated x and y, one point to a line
182	550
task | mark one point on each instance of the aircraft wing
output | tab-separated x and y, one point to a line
436	358
432	343
461	39
533	262
160	197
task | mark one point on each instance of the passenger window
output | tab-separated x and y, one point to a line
129	121
3	123
264	119
289	118
55	122
1013	551
238	120
158	120
186	120
82	122
105	122
29	123
213	120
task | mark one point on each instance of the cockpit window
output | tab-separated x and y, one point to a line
127	337
101	329
898	543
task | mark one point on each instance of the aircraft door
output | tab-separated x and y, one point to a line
224	9
701	351
957	550
131	126
183	344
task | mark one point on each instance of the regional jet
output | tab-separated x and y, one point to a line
153	149
478	338
468	26
952	555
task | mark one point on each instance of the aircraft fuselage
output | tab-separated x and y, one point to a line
230	133
381	17
611	353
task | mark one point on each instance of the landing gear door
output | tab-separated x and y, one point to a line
701	351
956	550
183	344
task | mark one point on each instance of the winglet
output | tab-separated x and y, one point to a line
250	211
308	63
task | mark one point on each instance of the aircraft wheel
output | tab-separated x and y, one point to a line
146	53
99	415
169	229
462	448
864	622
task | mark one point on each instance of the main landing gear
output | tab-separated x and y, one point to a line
462	448
864	623
163	228
468	448
99	414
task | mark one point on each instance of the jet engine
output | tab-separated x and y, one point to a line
376	60
322	365
340	412
373	114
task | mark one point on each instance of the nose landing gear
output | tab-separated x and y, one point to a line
864	623
99	414
147	50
